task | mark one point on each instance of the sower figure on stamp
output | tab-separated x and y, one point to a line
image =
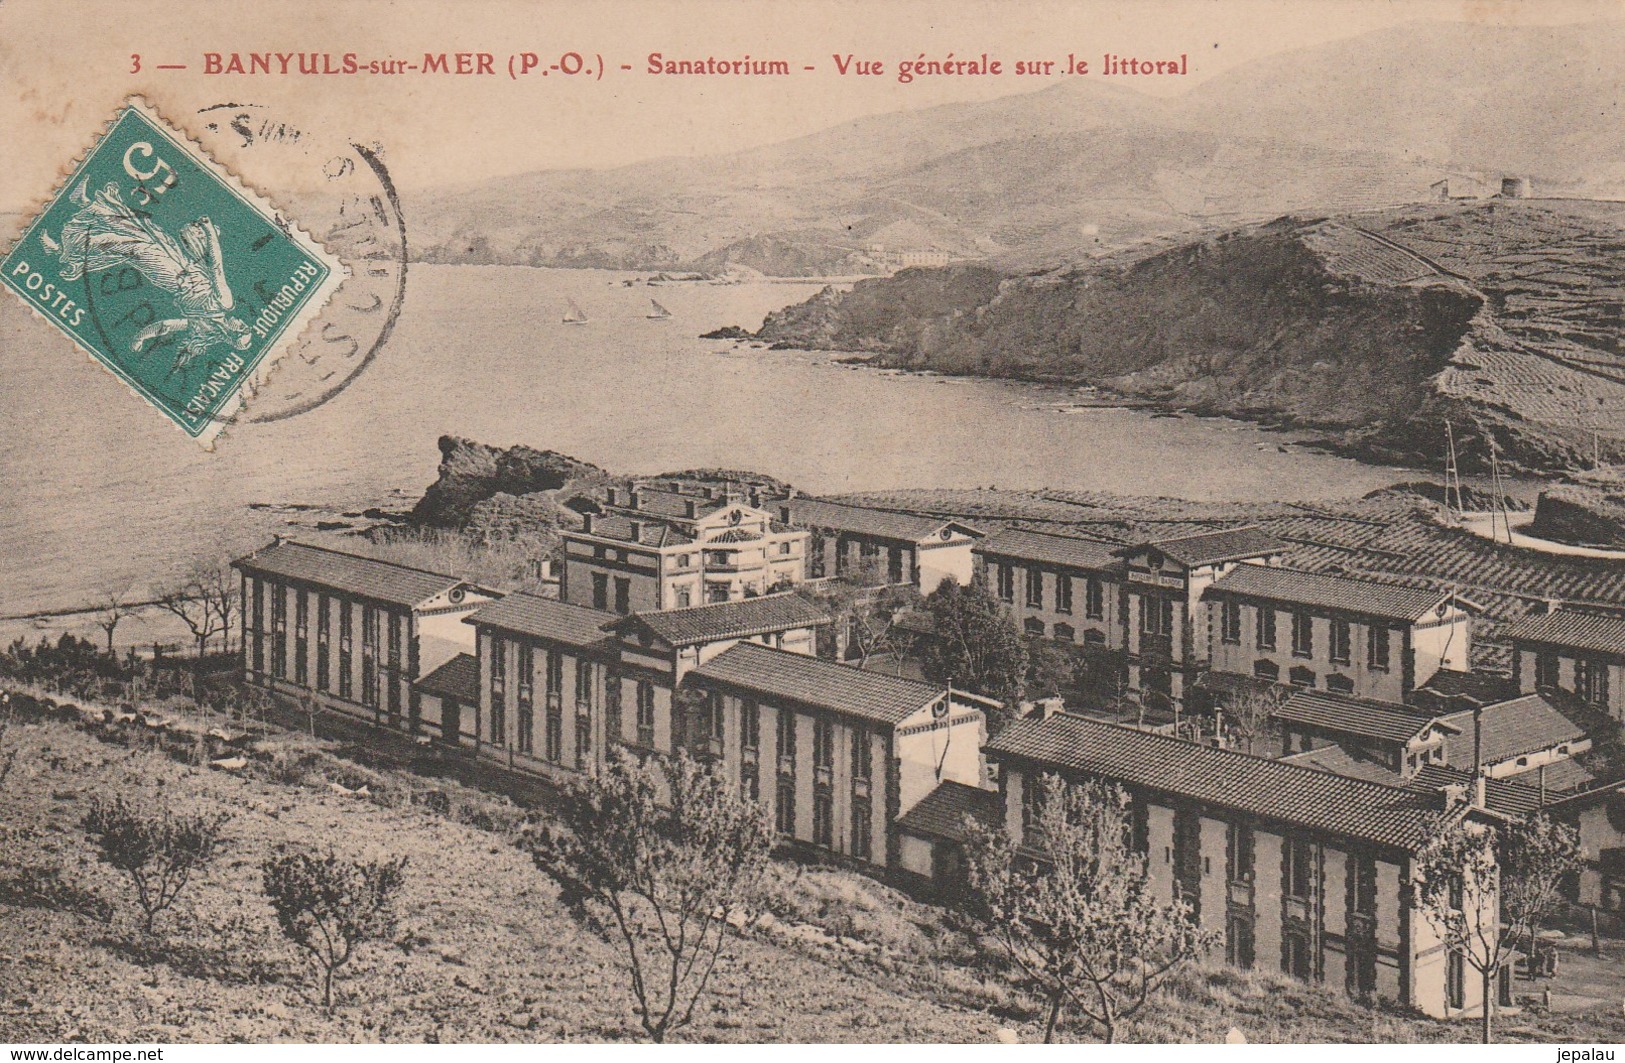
106	234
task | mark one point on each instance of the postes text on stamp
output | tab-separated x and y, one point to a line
163	267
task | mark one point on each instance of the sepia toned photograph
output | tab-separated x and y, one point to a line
693	521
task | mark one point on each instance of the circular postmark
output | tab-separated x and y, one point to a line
339	191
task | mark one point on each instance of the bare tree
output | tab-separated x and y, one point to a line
113	605
1485	889
1081	921
868	611
666	858
1251	711
199	600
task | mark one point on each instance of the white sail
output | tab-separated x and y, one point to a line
658	311
576	316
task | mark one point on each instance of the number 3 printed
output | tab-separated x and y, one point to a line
135	62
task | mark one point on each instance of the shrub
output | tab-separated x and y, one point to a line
328	906
157	850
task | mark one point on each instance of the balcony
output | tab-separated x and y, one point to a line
860	788
1241	894
787	764
823	774
1298	908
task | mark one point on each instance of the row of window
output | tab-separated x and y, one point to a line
1377	642
372	675
1063	631
1590	677
1094	590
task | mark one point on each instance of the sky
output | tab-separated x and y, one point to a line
66	64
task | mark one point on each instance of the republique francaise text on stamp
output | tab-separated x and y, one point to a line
170	272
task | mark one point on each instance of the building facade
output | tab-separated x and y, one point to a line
1580	653
1057	586
1347	636
1298	870
881	546
559	684
1167	643
835	753
349	632
630	560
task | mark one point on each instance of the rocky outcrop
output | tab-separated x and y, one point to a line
474	473
1583	515
1373	329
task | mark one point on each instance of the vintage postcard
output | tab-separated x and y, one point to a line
884	523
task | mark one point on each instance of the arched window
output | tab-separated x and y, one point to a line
1267	670
1340	684
1064	632
1302	677
1033	625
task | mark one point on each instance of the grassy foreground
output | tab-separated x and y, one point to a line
484	951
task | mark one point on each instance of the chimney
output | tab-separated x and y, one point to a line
689	508
632	498
784	514
586	523
755	496
1051	707
1478	756
1452	795
637	530
708	491
611	496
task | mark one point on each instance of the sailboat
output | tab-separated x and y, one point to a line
576	316
659	313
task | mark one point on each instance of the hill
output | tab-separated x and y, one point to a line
1086	166
1375	327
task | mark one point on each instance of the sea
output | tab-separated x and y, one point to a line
100	494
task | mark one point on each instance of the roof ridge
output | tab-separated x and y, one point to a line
1216	751
291	541
827	663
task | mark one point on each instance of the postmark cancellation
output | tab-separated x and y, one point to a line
165	268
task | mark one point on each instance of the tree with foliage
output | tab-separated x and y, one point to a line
1081	921
1051	668
665	858
327	905
975	645
1485	890
159	851
866	610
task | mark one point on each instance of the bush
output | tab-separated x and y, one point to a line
158	851
328	906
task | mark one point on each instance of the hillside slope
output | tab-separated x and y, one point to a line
1087	165
1499	315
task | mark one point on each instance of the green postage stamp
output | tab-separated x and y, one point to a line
163	267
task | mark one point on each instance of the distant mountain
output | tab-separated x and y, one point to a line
1502	316
1087	166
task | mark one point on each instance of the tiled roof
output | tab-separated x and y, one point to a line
820	684
941	813
1364	717
1486	688
458	678
364	577
1340	593
1209	548
1065	551
1566	627
651	532
860	520
1272	789
1339	761
545	618
658	503
1500	795
1560	775
735	535
742	618
1512	728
